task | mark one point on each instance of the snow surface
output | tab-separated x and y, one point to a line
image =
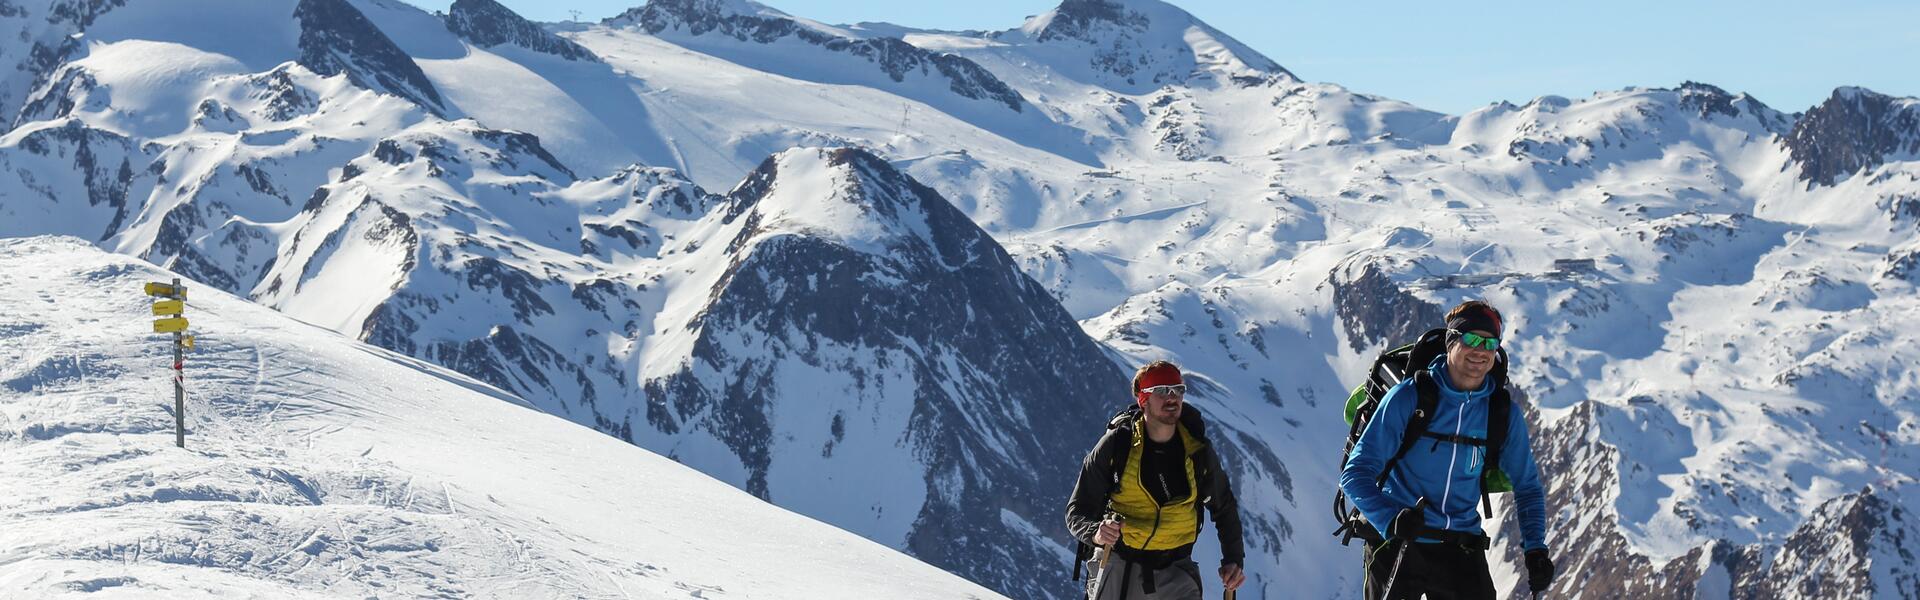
317	466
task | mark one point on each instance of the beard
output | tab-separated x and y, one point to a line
1157	413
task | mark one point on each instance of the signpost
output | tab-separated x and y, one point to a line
170	303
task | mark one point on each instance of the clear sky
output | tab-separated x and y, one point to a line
1454	56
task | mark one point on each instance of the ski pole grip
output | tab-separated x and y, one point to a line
1106	552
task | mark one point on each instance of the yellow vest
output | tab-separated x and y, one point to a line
1149	525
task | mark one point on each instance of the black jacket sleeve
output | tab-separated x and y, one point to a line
1088	504
1226	512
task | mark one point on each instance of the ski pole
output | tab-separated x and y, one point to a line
1106	555
1401	555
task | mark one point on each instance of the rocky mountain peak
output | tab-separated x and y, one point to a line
1707	101
1079	19
1145	43
830	281
852	197
487	23
1854	129
335	38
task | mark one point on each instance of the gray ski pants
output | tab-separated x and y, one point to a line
1178	581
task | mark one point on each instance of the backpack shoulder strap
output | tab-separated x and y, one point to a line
1120	430
1499	418
1427	394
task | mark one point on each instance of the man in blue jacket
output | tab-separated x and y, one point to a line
1447	559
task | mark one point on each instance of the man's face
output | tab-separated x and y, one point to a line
1469	363
1163	406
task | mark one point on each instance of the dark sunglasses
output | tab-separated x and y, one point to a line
1178	389
1475	340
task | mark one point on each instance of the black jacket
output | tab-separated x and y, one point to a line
1099	476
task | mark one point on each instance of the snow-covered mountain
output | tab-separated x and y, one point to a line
876	324
316	466
1135	46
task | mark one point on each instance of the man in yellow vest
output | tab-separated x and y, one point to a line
1141	494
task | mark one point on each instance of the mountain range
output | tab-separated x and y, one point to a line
938	254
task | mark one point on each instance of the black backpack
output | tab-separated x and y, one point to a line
1388	370
1116	458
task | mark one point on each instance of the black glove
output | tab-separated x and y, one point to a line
1539	570
1409	524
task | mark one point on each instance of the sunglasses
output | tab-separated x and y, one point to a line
1475	340
1178	389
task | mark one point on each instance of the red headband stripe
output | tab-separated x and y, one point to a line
1156	377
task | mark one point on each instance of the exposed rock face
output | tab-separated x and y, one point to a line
892	55
280	98
1376	311
1708	100
1081	19
1854	129
487	24
335	38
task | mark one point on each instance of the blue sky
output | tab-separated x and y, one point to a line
1456	56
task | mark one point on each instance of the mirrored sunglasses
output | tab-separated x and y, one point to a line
1178	389
1474	340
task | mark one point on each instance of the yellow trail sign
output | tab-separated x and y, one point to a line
173	325
168	307
155	288
186	342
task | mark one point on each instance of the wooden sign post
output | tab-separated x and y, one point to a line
171	303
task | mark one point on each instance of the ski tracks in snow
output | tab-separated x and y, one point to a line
94	477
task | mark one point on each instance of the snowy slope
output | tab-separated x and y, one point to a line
320	467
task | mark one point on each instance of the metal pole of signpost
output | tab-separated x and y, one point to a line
179	372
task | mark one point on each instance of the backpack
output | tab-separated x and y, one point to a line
1389	369
1115	455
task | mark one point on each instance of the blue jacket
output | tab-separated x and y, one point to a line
1446	473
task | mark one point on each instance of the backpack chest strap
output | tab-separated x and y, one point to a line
1457	439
